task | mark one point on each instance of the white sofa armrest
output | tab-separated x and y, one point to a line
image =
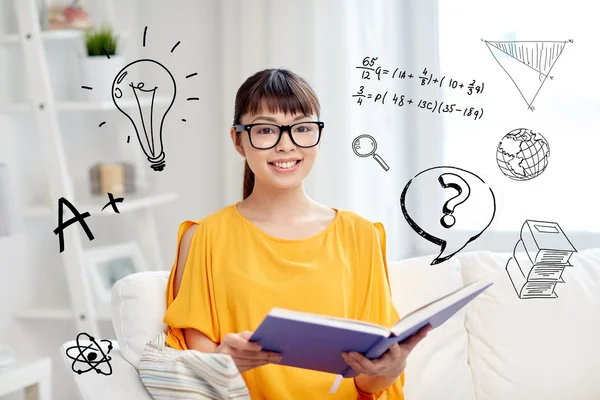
123	383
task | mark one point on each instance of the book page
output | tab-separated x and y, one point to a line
439	300
338	322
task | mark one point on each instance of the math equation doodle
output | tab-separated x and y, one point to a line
370	68
432	106
528	64
426	78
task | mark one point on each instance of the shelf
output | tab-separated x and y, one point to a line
94	205
57	314
83	105
54	35
50	36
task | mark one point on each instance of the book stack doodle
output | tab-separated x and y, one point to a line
539	259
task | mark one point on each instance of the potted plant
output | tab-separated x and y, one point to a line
101	63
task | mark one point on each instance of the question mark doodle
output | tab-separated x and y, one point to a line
423	196
449	180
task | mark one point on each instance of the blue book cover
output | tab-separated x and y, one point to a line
315	342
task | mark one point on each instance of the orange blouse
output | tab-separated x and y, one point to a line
235	273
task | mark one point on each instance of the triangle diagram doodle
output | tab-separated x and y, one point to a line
527	64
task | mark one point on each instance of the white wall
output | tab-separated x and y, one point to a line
30	269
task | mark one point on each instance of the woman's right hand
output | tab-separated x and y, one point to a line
245	354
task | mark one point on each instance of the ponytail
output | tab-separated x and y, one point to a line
248	181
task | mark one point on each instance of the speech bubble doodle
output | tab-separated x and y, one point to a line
448	220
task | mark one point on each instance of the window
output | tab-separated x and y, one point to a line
567	107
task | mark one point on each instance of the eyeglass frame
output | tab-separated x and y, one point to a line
239	128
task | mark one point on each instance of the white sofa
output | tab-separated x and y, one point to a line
501	347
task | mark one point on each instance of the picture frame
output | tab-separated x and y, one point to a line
108	264
64	15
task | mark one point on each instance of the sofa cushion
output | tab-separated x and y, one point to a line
138	308
438	367
535	348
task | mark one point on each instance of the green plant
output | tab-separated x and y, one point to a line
99	40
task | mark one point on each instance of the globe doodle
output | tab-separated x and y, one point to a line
522	154
88	355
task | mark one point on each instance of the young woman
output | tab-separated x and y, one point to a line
279	248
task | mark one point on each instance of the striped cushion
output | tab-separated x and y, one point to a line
189	374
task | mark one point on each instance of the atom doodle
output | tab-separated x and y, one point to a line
91	358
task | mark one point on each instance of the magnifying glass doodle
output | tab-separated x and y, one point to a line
365	146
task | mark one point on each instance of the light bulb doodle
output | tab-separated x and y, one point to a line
92	355
145	91
455	229
148	126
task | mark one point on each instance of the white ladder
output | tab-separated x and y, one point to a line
55	164
82	304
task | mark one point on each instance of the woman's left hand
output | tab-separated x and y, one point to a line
391	363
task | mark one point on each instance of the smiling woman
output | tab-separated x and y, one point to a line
282	93
286	245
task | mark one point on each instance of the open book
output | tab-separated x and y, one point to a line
315	342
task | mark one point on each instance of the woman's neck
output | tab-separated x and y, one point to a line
279	204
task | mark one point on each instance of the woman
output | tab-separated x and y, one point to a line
279	248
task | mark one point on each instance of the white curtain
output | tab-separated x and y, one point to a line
324	41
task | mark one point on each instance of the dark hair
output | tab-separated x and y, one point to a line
277	90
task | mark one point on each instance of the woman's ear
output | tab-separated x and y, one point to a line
321	141
236	138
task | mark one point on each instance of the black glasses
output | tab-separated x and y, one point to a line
266	136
